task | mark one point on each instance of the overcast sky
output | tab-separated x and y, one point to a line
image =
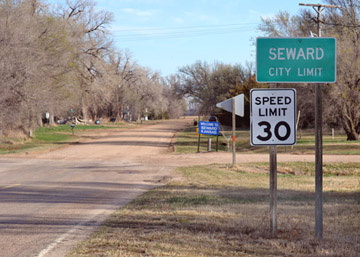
164	35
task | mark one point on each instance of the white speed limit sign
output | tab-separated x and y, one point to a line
273	117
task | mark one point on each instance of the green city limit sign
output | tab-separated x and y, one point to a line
296	60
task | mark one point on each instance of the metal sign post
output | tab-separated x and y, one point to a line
273	122
234	105
273	190
72	125
318	163
198	130
302	60
318	133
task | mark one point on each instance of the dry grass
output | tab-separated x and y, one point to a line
49	138
218	211
186	142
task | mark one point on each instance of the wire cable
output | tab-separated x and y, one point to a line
180	32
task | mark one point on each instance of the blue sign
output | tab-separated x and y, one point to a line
209	128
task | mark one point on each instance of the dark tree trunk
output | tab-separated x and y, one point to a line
350	130
351	136
350	120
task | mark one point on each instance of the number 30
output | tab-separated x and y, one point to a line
267	130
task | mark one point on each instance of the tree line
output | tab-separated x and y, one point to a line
57	59
61	60
209	84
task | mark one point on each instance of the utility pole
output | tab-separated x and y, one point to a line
318	135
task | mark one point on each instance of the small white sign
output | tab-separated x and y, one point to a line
273	117
239	105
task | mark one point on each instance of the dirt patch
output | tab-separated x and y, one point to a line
154	145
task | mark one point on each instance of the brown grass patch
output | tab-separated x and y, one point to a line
218	211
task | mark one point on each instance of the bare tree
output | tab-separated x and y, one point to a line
342	100
32	59
91	44
57	59
209	84
344	24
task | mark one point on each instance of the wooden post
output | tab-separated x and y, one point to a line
198	149
209	144
273	191
233	134
318	164
318	149
318	136
217	143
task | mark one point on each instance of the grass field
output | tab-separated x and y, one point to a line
218	211
187	142
46	138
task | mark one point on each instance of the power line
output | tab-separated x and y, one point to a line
174	35
180	32
188	27
342	25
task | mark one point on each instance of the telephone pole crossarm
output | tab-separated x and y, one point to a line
320	5
318	9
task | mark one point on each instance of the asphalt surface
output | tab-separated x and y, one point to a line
50	202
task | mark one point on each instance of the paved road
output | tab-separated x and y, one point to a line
49	202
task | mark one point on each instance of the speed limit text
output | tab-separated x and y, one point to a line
272	100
